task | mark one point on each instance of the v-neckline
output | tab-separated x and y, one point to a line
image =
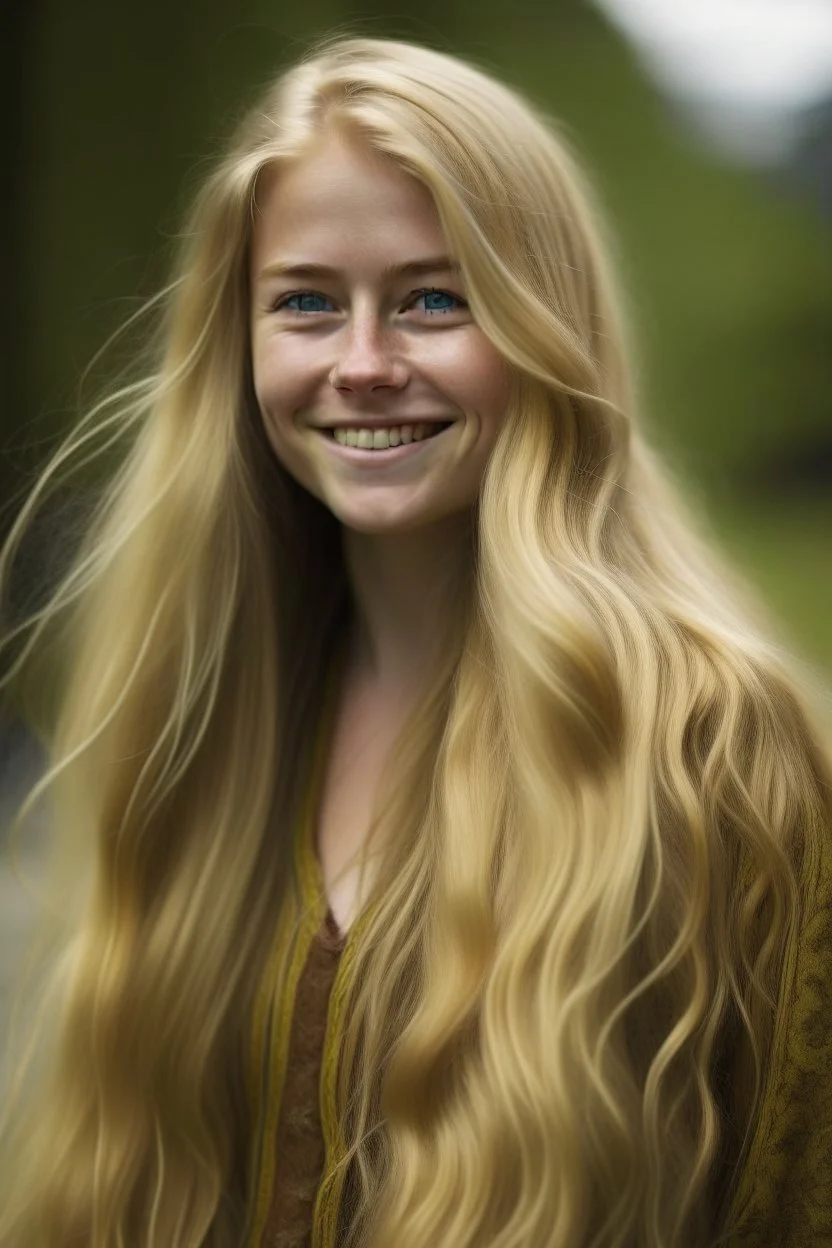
331	933
312	876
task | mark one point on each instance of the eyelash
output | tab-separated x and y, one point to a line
281	303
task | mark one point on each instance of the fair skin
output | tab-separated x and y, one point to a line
361	343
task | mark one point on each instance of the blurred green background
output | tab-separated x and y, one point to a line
118	109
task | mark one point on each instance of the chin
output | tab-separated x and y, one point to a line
378	527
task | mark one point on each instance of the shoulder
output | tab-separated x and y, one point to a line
784	1195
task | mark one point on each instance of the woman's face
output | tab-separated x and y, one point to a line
359	321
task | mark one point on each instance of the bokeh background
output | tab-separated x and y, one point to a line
707	124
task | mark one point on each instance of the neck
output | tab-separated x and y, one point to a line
405	590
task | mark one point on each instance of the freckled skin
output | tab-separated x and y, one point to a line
363	343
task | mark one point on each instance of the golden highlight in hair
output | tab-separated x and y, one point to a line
593	832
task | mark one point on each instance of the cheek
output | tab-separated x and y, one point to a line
279	398
281	383
484	383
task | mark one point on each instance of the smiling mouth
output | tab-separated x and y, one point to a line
435	428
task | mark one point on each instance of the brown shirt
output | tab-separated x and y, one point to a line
300	1146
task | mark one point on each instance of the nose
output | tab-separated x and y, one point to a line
368	360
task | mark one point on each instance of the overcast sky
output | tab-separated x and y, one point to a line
745	69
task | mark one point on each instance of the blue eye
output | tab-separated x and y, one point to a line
308	302
433	300
305	296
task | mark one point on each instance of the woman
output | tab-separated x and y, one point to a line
409	739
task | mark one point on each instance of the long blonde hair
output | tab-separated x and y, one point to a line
591	835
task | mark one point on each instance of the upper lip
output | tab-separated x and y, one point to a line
383	422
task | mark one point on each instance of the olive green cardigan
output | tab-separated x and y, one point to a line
783	1198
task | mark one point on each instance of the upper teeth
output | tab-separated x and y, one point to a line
374	439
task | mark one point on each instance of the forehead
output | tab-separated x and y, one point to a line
342	198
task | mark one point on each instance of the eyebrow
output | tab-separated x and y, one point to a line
413	268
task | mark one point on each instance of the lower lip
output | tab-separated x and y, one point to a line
393	454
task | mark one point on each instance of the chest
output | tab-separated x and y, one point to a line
360	742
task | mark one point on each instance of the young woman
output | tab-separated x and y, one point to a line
442	846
